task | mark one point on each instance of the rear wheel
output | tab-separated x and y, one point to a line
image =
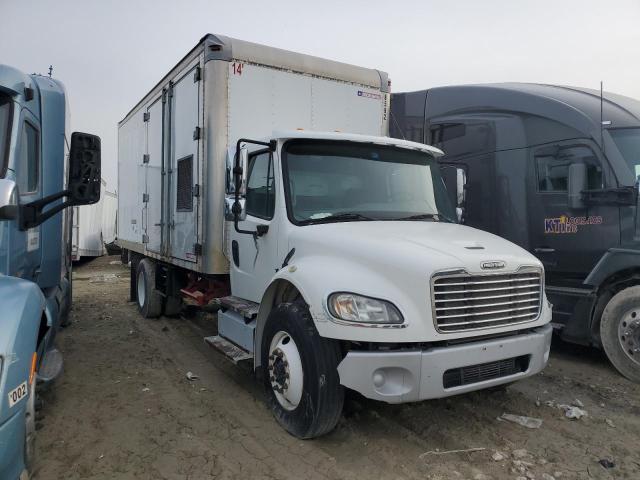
148	298
620	332
301	373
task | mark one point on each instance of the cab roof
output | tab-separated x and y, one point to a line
574	106
355	137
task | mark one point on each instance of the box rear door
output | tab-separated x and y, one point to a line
153	192
184	161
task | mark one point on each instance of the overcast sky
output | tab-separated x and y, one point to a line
110	53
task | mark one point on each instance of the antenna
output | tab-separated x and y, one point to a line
50	70
601	117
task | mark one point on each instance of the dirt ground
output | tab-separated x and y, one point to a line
124	409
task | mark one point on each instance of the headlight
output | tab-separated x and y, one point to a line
357	308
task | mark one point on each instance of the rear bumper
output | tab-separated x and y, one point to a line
12	447
409	376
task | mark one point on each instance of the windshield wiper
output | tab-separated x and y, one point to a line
338	217
438	217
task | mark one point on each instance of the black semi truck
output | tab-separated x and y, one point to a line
554	169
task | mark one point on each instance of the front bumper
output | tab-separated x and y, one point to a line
413	375
12	447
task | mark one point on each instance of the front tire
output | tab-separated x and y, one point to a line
620	332
300	372
148	298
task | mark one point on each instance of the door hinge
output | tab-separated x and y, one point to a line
197	133
164	95
145	158
145	238
170	91
196	190
197	75
197	248
146	116
145	198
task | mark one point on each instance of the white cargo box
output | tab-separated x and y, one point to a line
87	229
172	146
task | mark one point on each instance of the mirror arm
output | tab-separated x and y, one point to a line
31	214
237	173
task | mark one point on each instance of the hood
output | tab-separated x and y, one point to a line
423	245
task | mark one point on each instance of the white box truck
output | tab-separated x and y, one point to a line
333	257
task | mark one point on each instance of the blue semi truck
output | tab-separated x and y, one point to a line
40	176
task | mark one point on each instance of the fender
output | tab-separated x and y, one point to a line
315	278
279	280
613	261
23	305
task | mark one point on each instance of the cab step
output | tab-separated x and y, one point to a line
230	349
244	307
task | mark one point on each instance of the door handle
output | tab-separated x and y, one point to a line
544	250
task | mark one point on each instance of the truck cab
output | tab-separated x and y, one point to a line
38	180
555	170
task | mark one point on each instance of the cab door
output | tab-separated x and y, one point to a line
27	256
254	258
569	242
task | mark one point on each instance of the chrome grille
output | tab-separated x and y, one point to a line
464	302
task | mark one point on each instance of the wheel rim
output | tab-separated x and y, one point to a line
30	425
629	334
285	370
140	285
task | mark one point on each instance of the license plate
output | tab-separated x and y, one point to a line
18	394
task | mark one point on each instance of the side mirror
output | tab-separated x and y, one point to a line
83	186
455	180
8	200
241	171
576	183
84	169
235	206
461	192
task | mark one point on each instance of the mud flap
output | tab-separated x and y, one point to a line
51	366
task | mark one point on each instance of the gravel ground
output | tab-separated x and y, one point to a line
124	409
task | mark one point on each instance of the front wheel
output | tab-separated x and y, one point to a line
620	332
300	371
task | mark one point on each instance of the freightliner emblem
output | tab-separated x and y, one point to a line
493	265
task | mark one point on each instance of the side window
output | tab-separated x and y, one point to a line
260	186
29	165
552	164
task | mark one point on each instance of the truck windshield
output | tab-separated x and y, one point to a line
346	181
5	120
628	142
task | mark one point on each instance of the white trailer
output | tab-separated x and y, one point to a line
109	217
333	256
87	229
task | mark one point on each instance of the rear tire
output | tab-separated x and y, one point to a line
65	313
300	372
172	306
149	300
620	332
